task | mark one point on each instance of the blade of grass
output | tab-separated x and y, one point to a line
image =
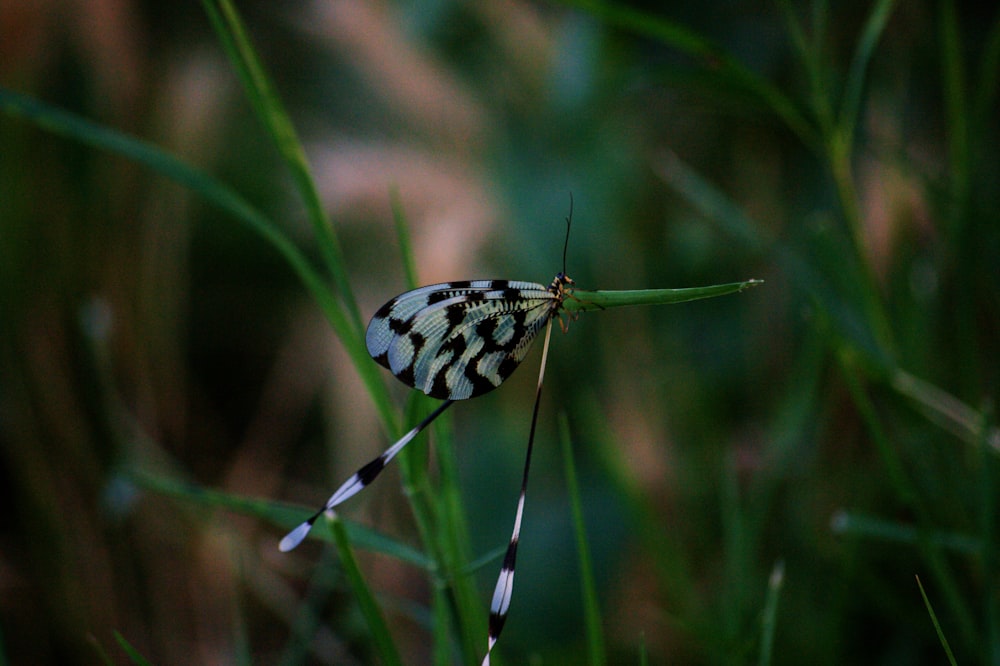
72	126
987	82
713	57
270	111
438	511
810	58
309	616
715	205
133	655
990	553
937	626
588	301
672	571
736	537
441	646
838	141
840	157
954	415
102	654
276	513
468	609
870	527
855	84
596	652
403	237
908	494
769	621
956	112
267	105
381	637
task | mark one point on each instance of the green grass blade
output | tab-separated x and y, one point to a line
855	84
984	91
133	655
271	112
438	510
956	110
280	514
870	527
954	415
441	646
403	237
453	546
269	109
72	126
937	625
102	654
713	204
908	493
810	59
311	611
591	607
842	310
769	622
714	58
381	637
586	301
990	553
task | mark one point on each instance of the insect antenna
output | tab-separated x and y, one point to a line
359	480
505	581
569	223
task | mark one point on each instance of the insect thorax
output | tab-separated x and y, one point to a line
559	287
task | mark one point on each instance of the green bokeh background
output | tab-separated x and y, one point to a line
835	425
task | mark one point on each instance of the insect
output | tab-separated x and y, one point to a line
453	341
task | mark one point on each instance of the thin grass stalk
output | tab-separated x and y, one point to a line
735	555
937	625
271	112
596	652
381	637
710	55
907	493
990	537
438	511
468	607
134	655
810	57
956	113
840	152
854	86
581	300
769	620
309	616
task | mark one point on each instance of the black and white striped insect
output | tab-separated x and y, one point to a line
453	341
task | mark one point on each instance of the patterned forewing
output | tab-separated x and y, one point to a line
460	339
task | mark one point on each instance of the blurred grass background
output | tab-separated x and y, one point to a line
762	476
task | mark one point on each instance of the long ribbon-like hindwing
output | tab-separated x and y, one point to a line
358	481
505	581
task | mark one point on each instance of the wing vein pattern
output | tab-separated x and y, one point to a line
458	340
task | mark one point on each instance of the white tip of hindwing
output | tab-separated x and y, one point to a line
295	537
